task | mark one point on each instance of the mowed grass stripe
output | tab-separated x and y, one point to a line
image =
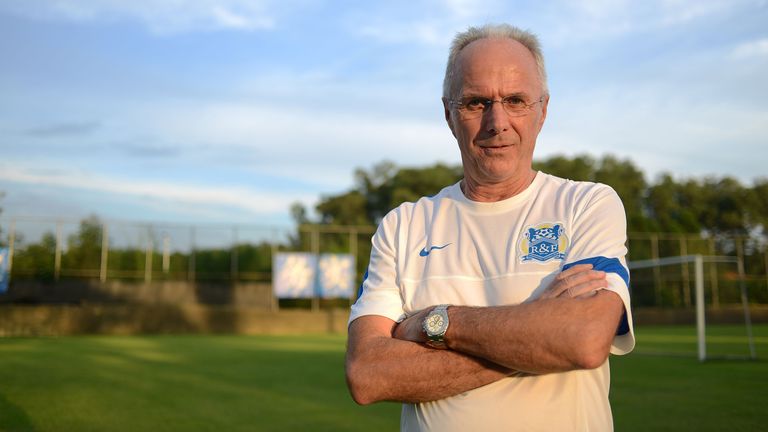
285	383
180	383
728	341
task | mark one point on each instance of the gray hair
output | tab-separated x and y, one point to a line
490	31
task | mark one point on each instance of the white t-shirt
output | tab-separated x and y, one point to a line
447	249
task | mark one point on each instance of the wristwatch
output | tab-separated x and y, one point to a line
435	325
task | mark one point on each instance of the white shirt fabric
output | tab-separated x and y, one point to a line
447	249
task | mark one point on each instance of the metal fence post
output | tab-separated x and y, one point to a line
685	272
353	252
713	277
57	252
148	256
11	246
191	268
765	257
166	253
316	251
274	303
233	256
656	270
104	252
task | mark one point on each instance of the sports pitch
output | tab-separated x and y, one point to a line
287	383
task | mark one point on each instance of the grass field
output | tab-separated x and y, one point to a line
270	383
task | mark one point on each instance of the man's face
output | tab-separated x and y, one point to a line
496	147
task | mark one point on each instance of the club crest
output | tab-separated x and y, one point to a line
543	242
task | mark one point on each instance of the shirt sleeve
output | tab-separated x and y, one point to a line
599	238
380	292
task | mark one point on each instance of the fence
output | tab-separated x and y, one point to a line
92	249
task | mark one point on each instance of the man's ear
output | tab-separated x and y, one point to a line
448	118
544	106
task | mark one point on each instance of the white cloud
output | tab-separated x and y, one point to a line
288	136
676	135
249	200
431	23
159	16
755	48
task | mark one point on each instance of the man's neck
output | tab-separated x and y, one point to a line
496	191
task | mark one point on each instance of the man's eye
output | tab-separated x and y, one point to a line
513	102
475	103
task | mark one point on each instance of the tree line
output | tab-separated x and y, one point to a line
712	206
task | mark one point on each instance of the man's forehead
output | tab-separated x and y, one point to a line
503	61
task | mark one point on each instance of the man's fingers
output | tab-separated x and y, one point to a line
587	287
575	281
574	270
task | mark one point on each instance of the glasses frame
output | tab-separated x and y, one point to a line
488	103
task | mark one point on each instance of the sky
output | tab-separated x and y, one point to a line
228	111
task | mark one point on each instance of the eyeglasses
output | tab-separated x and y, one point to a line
473	106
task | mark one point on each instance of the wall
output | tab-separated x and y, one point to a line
60	320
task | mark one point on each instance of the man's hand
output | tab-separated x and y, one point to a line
578	281
411	328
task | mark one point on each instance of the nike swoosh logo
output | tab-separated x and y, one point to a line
424	252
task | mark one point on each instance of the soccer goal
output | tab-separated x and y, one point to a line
701	327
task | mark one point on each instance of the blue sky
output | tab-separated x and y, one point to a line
227	111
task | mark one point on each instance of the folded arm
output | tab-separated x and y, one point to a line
552	335
380	367
570	327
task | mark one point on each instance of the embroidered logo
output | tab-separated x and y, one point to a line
543	242
424	252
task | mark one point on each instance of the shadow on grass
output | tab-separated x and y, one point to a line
13	418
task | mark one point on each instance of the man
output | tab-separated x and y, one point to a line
494	304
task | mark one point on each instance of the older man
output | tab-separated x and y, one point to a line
494	304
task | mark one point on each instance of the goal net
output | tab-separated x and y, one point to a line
711	341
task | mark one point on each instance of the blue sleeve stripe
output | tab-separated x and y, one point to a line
608	265
360	290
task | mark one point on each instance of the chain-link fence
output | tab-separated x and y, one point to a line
49	250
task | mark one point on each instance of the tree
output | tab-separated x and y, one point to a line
381	189
84	247
37	259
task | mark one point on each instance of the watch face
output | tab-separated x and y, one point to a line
434	324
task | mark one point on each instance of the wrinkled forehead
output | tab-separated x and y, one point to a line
496	65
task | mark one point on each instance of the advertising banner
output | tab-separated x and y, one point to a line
293	275
335	275
306	275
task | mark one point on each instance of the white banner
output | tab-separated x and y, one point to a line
306	275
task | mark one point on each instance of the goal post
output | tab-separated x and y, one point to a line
698	261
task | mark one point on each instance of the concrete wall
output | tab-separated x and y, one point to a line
68	307
60	320
242	294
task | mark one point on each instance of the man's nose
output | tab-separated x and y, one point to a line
496	118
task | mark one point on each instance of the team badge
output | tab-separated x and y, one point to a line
543	242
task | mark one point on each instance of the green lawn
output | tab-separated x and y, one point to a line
270	383
655	392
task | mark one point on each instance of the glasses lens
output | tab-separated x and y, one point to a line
474	107
514	106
